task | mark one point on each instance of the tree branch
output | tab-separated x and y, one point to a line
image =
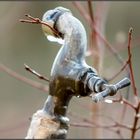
122	100
19	77
136	118
130	63
38	21
36	73
121	69
102	38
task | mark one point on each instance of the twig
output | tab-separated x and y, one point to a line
90	10
36	73
114	76
19	77
109	128
130	63
134	128
94	42
102	38
94	45
124	101
121	69
38	21
87	17
89	126
138	128
116	123
97	46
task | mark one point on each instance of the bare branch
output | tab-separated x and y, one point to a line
121	69
136	118
95	124
90	10
122	100
92	126
102	38
36	73
130	63
38	21
19	77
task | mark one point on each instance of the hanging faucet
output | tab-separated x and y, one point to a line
70	75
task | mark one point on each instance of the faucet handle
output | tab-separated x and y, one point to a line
123	83
111	90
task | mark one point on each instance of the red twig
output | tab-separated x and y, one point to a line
130	63
95	45
134	128
36	73
124	101
38	21
121	69
90	10
92	126
19	77
95	124
102	38
94	42
107	127
99	22
90	20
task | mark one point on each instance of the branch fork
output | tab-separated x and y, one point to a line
34	20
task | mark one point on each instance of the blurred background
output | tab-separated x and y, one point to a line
25	43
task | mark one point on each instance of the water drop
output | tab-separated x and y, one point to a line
78	96
121	102
108	101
